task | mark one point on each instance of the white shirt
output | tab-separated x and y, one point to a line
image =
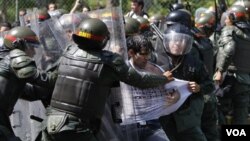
132	14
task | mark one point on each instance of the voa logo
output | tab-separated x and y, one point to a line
236	132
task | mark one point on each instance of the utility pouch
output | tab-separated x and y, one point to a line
228	82
55	123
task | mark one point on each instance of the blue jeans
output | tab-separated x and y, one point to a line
150	131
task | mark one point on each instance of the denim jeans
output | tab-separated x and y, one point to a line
148	131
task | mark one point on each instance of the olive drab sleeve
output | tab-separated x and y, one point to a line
132	77
24	67
227	47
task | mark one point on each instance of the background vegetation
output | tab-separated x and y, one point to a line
9	8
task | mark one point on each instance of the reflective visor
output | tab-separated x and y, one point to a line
177	43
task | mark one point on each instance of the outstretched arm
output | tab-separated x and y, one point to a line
77	4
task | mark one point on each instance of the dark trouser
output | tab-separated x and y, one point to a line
151	131
192	134
6	132
209	118
236	100
66	136
60	126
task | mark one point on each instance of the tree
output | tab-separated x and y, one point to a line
3	12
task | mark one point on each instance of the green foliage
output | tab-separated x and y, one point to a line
153	6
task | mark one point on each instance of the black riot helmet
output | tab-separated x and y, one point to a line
176	6
181	16
20	37
178	40
92	34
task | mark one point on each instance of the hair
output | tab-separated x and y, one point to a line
86	6
140	2
23	9
6	24
53	4
137	42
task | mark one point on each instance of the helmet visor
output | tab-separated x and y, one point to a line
177	43
30	48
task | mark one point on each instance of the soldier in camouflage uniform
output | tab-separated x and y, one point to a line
16	69
233	51
86	74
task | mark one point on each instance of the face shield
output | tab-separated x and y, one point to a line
29	47
223	18
177	43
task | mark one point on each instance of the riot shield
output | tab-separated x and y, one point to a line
56	13
26	119
3	50
53	41
113	18
70	22
2	34
33	20
22	20
223	18
27	116
25	19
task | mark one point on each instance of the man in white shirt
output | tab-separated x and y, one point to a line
137	9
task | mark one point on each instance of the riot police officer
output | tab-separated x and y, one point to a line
176	6
157	19
17	68
231	60
202	50
181	16
184	124
205	26
85	76
132	26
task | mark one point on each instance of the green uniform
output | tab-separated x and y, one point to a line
16	69
82	87
232	53
204	51
184	124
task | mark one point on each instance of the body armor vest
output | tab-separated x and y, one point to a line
82	85
206	53
241	55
